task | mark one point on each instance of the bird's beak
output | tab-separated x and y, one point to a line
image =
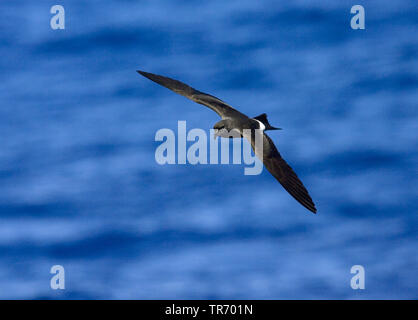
215	134
273	128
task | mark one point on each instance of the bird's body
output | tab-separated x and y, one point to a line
235	121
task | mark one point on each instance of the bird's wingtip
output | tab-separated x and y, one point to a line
148	75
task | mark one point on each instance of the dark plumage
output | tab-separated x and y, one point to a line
233	119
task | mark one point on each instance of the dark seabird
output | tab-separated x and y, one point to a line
232	119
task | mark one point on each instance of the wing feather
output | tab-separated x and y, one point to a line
279	168
223	109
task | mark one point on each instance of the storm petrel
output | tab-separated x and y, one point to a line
232	119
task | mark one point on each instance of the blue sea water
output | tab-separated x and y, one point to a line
80	186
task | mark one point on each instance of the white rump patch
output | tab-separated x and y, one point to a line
262	126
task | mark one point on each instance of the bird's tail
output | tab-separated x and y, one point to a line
263	119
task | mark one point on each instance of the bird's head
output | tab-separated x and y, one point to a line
219	125
224	129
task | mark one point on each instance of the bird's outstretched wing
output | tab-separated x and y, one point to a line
278	167
221	108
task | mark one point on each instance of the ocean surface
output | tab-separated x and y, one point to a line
80	186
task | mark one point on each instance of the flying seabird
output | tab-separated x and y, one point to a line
232	119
